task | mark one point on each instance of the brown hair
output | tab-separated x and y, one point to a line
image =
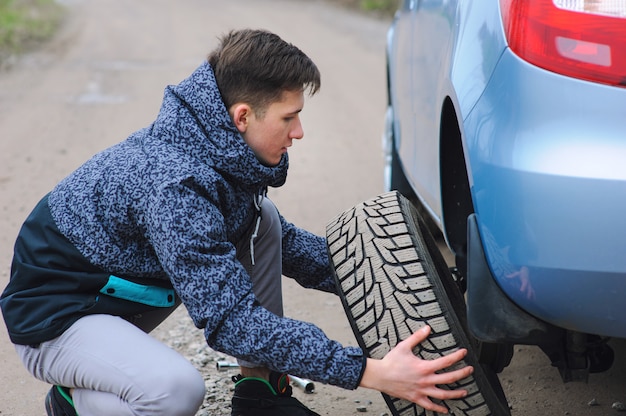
257	66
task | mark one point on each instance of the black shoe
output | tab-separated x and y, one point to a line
258	397
59	402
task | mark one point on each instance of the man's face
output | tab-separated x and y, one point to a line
270	136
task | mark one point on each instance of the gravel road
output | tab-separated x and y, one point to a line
103	78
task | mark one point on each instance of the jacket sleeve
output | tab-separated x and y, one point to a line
286	345
305	258
188	234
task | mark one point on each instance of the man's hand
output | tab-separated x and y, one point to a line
402	375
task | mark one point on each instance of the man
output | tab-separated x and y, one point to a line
178	213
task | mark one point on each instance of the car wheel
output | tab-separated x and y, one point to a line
392	280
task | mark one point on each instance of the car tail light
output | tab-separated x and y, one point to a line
584	39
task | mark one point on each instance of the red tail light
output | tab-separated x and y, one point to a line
583	39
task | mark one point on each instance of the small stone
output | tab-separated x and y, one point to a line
361	409
593	402
619	406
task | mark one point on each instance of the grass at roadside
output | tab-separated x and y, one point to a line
384	8
26	23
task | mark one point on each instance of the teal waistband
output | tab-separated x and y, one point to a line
159	297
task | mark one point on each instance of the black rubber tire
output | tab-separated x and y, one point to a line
393	280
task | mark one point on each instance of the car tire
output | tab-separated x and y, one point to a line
393	280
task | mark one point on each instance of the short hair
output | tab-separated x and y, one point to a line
257	66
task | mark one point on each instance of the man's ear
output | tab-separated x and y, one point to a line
241	113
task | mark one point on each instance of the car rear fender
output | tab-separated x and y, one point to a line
492	316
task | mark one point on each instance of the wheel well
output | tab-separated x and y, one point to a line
456	198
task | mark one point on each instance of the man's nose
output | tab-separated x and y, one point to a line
298	131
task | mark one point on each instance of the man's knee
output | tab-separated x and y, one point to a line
179	393
187	394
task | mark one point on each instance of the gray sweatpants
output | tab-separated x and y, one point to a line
116	368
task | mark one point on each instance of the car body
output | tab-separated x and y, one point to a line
526	151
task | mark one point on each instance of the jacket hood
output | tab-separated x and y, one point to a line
194	119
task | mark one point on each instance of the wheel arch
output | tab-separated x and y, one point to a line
456	198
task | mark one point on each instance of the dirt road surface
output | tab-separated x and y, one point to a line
102	78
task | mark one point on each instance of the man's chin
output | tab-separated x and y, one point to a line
273	163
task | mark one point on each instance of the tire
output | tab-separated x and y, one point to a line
392	280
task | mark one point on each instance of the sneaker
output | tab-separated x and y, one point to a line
59	402
258	397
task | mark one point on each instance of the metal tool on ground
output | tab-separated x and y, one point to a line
225	365
305	384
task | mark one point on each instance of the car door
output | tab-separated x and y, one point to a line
401	88
433	22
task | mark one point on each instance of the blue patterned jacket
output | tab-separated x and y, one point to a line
164	207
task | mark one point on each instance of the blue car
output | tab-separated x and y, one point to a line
507	124
506	129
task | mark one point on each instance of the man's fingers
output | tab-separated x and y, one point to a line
432	373
442	394
440	363
445	362
416	338
427	404
451	376
424	399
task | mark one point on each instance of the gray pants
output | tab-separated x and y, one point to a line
116	368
